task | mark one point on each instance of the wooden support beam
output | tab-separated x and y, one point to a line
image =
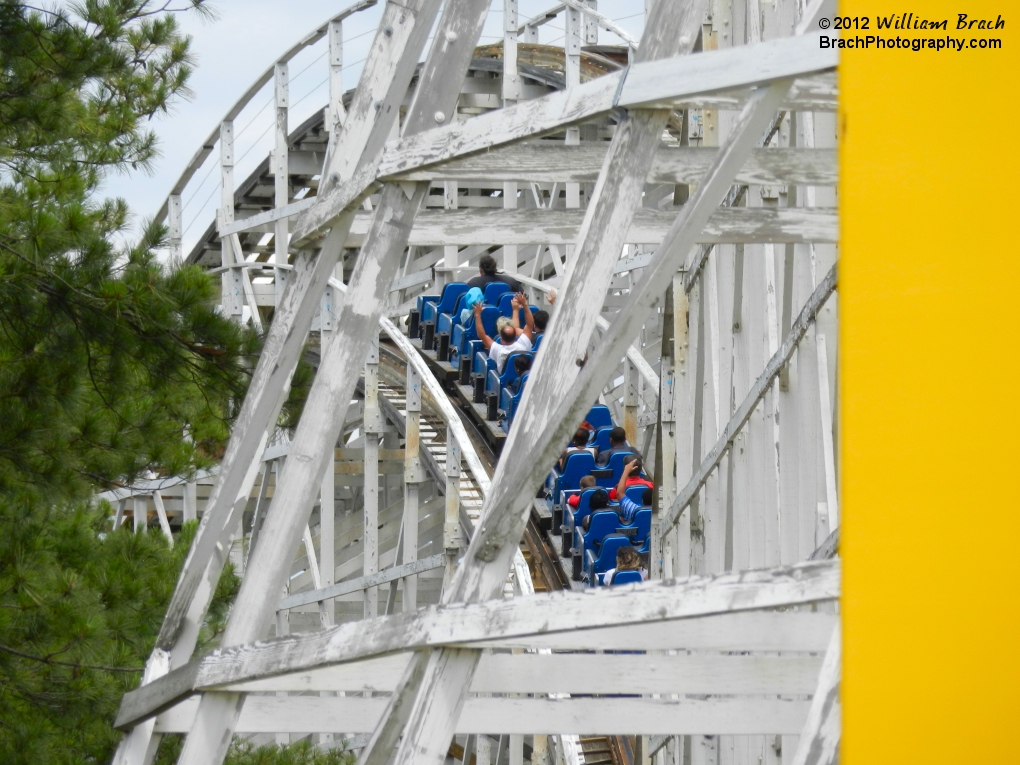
543	163
375	579
333	388
576	673
689	76
665	84
280	168
164	523
401	37
819	740
374	425
495	620
761	385
513	716
467	227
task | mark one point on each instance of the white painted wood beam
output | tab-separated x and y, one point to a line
761	385
578	673
464	624
513	716
820	738
735	68
736	225
400	39
663	84
544	163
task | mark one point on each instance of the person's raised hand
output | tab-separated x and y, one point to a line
478	309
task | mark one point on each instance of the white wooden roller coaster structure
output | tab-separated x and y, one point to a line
678	193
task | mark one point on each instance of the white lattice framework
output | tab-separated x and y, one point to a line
678	193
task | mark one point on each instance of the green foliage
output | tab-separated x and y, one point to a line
107	359
110	365
79	612
245	753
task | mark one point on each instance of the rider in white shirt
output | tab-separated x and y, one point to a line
509	341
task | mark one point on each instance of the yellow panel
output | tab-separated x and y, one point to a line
931	392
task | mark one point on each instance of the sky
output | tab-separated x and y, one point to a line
245	39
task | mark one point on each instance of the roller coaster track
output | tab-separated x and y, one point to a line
544	566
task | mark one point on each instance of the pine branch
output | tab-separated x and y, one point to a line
73	665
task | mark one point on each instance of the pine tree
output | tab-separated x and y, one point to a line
110	365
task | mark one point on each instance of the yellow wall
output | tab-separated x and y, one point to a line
930	385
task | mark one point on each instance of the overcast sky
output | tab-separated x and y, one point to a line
245	39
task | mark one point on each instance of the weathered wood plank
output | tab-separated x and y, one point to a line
547	163
661	84
467	227
627	716
493	620
503	673
748	631
527	119
371	580
819	741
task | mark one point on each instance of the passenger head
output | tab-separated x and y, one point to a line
580	438
599	500
636	470
522	364
541	320
588	482
628	559
617	436
487	265
508	335
646	497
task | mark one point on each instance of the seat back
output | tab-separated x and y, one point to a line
603	523
516	401
579	464
451	294
494	291
643	523
607	555
509	373
600	438
616	465
635	493
447	320
626	577
537	342
583	506
599	417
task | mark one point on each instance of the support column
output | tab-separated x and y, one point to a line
511	94
572	28
327	496
190	502
373	424
139	514
631	400
452	540
280	169
674	325
335	113
414	474
175	227
233	288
